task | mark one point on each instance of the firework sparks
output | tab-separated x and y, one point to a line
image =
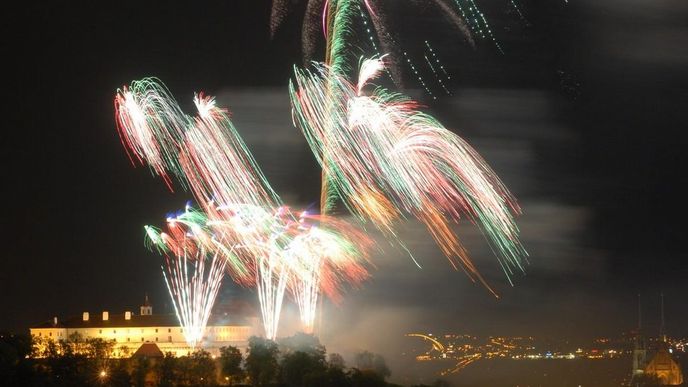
386	159
323	255
193	276
305	254
336	19
243	221
437	69
207	155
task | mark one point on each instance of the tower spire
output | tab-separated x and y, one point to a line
640	315
640	350
662	327
146	308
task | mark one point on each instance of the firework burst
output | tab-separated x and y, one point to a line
242	221
193	276
385	158
339	20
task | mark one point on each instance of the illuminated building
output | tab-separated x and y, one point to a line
665	368
661	365
130	331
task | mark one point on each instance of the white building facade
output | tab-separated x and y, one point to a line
128	331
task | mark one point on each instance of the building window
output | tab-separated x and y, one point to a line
142	339
100	331
169	330
114	331
50	334
181	331
156	339
128	340
169	338
156	330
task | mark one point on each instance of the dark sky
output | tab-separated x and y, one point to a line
584	117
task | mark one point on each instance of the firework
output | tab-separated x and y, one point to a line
324	254
193	276
207	155
437	69
336	20
305	254
385	158
151	126
242	219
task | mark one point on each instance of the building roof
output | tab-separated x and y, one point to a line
665	368
154	320
49	324
148	350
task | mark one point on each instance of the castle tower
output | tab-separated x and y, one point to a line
146	308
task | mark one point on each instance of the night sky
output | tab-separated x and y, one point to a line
584	117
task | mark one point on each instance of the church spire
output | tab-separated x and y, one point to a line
640	315
662	327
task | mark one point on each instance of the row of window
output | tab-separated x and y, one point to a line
169	330
229	329
50	334
100	331
169	339
59	334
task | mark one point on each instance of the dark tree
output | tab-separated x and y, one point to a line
66	363
364	360
15	368
336	360
301	342
99	352
261	361
336	377
230	363
166	371
203	371
118	375
142	366
303	369
366	378
197	369
303	361
371	361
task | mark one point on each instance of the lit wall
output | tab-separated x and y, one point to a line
168	339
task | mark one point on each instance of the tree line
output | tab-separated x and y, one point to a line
297	361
